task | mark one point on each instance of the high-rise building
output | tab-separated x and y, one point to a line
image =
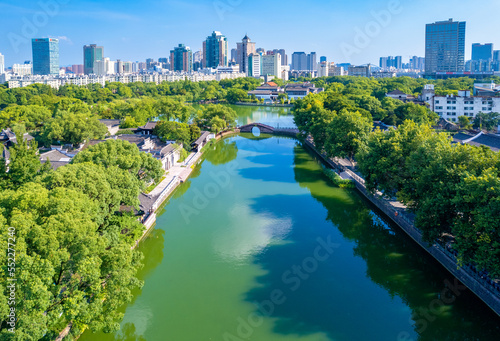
322	59
417	63
360	71
45	56
164	62
181	59
197	56
215	50
150	63
244	49
496	55
299	61
118	66
445	46
271	65
482	51
254	65
77	69
91	54
261	50
284	57
2	64
311	62
394	62
234	55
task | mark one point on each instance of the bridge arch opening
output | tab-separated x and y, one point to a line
256	131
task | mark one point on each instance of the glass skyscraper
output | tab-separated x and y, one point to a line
181	58
215	50
482	51
45	56
91	54
445	47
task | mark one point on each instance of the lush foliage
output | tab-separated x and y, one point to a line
216	117
73	128
74	260
450	187
123	155
174	131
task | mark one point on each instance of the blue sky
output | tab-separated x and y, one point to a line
356	31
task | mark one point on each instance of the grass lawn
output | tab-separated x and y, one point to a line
153	186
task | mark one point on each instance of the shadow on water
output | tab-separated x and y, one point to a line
330	299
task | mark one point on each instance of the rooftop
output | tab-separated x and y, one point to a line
203	137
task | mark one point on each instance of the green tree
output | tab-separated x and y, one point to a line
32	116
236	95
464	122
383	162
217	124
225	113
24	163
476	231
108	187
73	128
348	133
173	131
487	121
195	132
124	155
171	109
66	270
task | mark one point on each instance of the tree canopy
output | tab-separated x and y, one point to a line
125	156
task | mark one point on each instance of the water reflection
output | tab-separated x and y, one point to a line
223	151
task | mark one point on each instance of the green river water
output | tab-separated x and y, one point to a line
258	245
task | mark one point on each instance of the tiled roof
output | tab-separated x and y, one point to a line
149	126
110	123
396	92
135	139
55	155
462	136
203	137
488	140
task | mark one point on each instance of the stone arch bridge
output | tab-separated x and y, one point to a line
267	129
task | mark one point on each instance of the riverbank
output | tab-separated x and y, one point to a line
264	105
489	293
176	175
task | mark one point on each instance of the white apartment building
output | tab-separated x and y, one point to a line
323	69
2	64
22	69
254	65
285	71
451	107
57	81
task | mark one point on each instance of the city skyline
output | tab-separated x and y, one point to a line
337	28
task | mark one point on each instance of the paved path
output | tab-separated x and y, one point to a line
180	170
